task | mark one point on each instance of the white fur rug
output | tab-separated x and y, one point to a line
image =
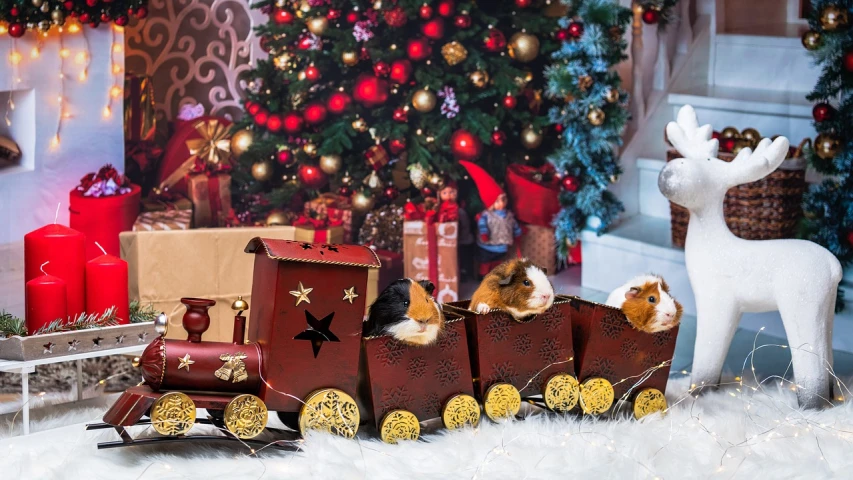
725	434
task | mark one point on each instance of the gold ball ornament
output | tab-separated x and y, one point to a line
310	149
730	132
44	26
330	164
826	146
454	53
262	171
612	95
241	141
811	40
832	17
359	125
362	202
479	78
424	100
740	144
346	179
585	82
531	138
751	136
596	116
523	47
349	58
57	16
38	3
435	179
317	25
276	218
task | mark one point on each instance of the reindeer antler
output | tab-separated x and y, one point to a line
749	166
691	140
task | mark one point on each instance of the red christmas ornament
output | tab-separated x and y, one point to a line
559	128
333	14
495	41
141	12
253	108
575	30
570	183
651	16
121	20
715	135
397	145
425	12
261	117
265	44
91	3
381	69
823	112
509	101
274	123
85	17
293	122
562	34
364	54
68	4
462	21
306	42
370	91
345	191
285	157
390	193
727	145
428	191
352	17
16	30
446	8
498	138
433	29
523	3
395	17
315	113
401	115
401	70
311	176
282	17
338	102
95	23
312	73
464	145
105	17
848	61
14	11
418	49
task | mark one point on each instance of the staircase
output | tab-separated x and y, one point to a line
738	66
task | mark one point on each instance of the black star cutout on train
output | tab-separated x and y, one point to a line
317	331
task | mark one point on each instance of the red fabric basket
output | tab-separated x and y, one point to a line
533	202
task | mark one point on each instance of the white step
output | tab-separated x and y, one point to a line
643	244
652	202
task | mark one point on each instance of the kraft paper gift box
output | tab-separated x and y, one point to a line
430	253
539	245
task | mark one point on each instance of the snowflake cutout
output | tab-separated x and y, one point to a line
395	397
551	350
602	367
390	353
448	372
73	344
552	319
503	372
522	344
431	403
499	326
417	367
612	324
448	340
629	349
662	338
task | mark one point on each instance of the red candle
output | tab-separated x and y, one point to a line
46	301
64	248
106	286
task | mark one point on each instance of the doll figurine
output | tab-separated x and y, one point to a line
496	227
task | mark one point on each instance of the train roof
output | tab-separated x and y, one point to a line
323	253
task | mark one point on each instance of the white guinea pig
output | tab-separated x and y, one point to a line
646	303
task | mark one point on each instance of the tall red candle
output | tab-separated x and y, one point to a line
46	301
106	286
65	249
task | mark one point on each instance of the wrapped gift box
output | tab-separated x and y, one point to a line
335	208
164	220
319	235
430	253
211	198
538	245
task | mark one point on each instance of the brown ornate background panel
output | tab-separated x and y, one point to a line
607	346
504	350
414	378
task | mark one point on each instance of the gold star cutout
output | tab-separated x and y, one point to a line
301	294
185	362
349	294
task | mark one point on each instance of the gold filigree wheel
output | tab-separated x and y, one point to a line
501	401
459	411
399	425
561	392
649	401
596	396
330	410
173	414
246	416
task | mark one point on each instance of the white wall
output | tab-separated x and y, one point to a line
29	193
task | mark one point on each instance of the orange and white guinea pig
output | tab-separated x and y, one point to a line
516	286
647	304
406	311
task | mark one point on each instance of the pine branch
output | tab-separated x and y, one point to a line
11	325
82	321
140	314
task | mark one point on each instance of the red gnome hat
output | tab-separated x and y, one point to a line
487	187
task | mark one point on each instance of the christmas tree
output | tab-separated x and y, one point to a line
352	91
828	206
593	118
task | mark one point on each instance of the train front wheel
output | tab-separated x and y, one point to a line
173	414
330	410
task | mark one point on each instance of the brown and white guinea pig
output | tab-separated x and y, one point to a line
646	302
406	311
516	286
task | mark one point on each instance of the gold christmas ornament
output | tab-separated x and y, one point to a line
281	61
424	100
832	17
531	138
418	175
454	53
241	141
262	171
811	40
310	149
38	3
740	144
751	136
612	95
373	181
362	202
523	81
584	82
730	132
596	116
826	146
317	25
57	16
479	78
523	47
276	218
435	179
359	125
330	164
349	58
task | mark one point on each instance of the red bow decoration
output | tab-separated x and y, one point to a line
106	182
412	212
316	223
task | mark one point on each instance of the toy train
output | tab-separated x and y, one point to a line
306	360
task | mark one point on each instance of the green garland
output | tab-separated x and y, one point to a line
18	16
11	325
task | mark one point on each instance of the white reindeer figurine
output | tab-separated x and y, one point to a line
730	276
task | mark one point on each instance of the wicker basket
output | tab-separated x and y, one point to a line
767	209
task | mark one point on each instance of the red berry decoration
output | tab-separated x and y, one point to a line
570	183
105	17
312	73
848	61
462	21
433	29
823	112
370	91
315	113
293	122
285	157
121	20
401	115
85	17
465	146
425	12
364	54
523	3
395	17
253	108
274	123
16	30
261	117
401	70
141	12
651	16
381	69
333	14
446	8
509	101
498	138
495	41
338	102
311	176
282	16
397	146
418	49
575	30
91	3
352	17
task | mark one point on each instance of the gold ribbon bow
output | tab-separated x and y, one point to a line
214	147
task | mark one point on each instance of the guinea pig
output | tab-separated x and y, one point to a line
516	286
647	304
406	311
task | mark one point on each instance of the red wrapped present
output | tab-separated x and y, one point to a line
535	193
312	230
335	208
102	206
139	123
211	198
202	145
